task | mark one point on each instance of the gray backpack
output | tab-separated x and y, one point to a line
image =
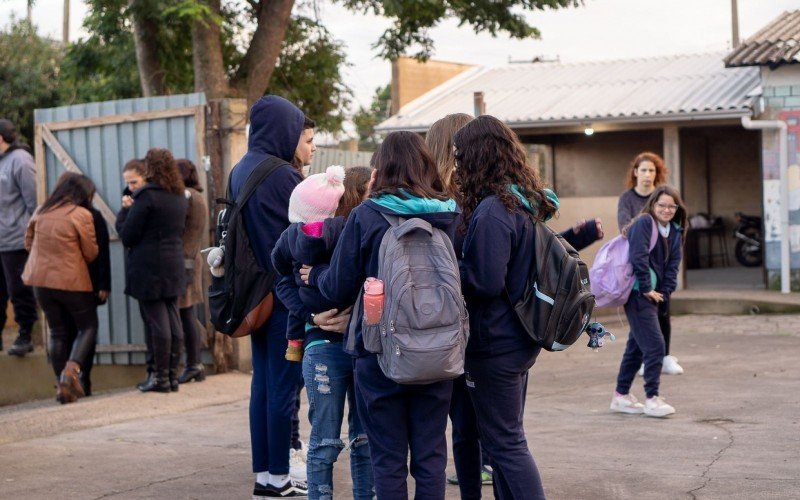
424	327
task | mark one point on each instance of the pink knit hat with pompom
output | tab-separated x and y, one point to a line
317	197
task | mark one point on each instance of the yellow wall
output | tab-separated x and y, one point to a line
575	209
411	78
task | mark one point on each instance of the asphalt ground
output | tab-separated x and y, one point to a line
736	433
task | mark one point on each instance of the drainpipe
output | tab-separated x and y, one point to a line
783	162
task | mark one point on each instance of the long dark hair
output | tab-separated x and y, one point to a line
356	183
160	169
680	216
189	174
71	188
490	157
403	161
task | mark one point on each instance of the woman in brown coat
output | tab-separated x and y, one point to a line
196	217
61	241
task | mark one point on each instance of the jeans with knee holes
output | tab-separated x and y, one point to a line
328	376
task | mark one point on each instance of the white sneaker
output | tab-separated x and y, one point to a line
626	404
297	465
671	366
657	407
641	371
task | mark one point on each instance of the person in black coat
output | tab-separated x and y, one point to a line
152	230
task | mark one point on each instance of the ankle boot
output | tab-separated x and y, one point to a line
146	381
173	380
69	384
159	382
23	345
193	372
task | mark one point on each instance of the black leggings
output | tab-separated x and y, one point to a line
72	319
163	321
191	335
664	323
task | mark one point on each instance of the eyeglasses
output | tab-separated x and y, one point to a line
667	206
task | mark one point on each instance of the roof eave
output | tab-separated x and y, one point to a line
672	117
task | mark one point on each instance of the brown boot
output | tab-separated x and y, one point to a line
69	384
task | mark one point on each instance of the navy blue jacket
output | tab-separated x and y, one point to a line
662	263
275	128
496	254
295	248
356	256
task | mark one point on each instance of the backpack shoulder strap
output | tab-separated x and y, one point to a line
256	177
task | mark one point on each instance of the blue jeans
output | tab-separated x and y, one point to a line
273	392
328	375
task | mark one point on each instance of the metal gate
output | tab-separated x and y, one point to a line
97	139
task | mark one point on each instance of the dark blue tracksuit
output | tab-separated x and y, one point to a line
656	270
293	249
275	129
396	417
497	254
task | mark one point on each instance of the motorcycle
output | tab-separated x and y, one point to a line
750	243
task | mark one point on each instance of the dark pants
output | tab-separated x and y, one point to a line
273	394
72	319
296	418
166	334
645	343
400	417
664	323
148	342
467	453
498	385
11	285
191	335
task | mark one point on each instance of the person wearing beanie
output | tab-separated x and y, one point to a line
17	203
318	209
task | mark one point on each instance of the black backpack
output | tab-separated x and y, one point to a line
240	301
557	304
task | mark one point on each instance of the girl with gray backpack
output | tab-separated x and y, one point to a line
404	363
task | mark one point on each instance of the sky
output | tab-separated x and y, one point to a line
600	30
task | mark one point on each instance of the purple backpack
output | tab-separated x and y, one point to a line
611	276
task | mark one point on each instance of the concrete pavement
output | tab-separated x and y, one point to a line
736	433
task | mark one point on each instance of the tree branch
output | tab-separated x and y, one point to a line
145	33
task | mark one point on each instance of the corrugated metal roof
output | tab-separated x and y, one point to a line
554	94
775	44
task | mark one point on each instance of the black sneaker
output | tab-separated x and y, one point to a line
292	488
21	347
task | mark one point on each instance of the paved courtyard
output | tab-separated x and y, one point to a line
736	433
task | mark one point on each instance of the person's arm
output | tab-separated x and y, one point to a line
84	225
624	211
639	242
134	221
583	234
100	268
487	252
670	280
25	177
341	280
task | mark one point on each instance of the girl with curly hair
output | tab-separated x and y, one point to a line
501	198
152	230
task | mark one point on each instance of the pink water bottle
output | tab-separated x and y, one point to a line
373	301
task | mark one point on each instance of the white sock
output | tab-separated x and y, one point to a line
262	478
278	479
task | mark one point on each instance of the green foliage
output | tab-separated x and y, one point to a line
413	18
309	73
28	75
366	120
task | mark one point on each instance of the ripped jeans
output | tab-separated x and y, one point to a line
328	375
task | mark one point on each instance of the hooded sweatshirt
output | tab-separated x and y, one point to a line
356	255
17	196
295	248
275	128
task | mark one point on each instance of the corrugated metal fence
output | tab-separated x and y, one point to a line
325	157
97	139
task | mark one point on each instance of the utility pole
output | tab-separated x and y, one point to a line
735	23
65	27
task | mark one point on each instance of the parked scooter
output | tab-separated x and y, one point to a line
750	243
